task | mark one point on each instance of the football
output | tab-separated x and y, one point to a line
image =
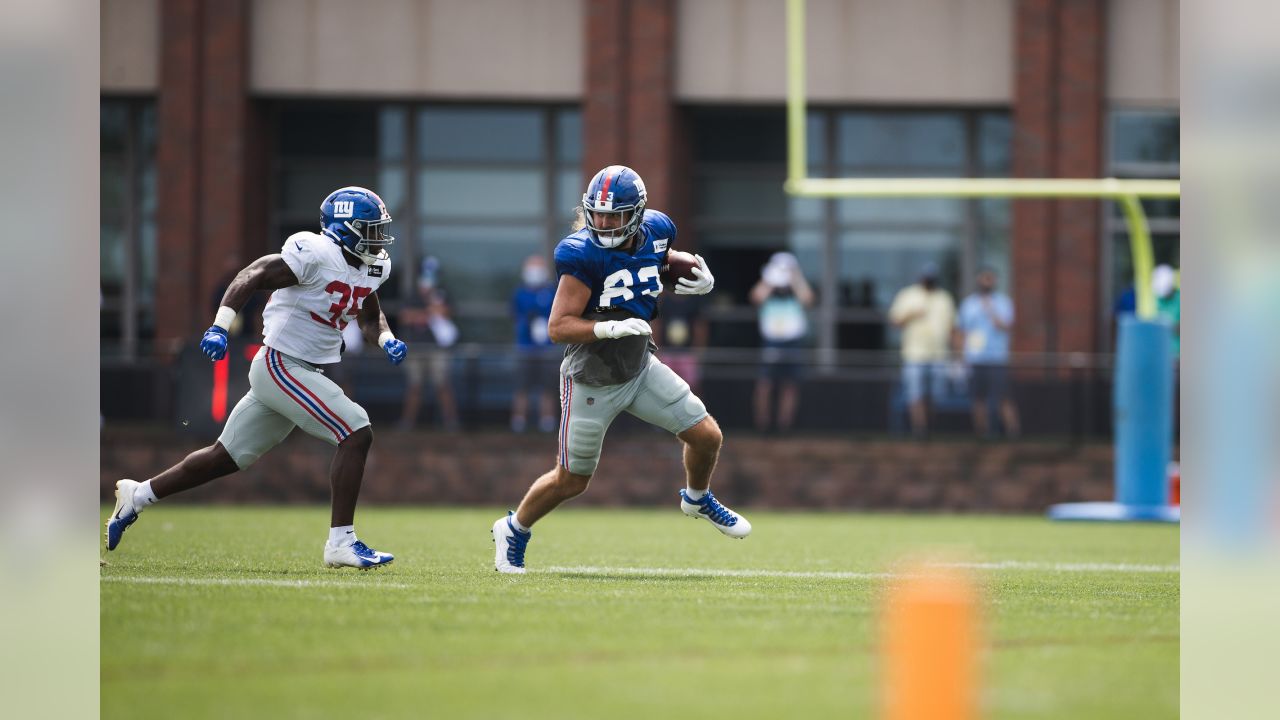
678	265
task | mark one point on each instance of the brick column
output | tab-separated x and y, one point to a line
1033	153
650	89
628	109
202	160
224	182
604	102
1058	106
1080	106
178	172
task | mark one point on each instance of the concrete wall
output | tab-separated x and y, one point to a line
801	473
130	46
1142	52
935	51
418	48
905	51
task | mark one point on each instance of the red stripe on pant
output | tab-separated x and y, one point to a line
566	400
271	371
319	402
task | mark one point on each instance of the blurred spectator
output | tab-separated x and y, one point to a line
681	332
925	313
1164	283
782	294
982	330
536	355
425	325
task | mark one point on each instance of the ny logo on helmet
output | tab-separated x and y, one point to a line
343	208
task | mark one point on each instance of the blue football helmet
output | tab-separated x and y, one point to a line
615	190
357	219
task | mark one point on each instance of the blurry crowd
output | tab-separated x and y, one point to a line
953	358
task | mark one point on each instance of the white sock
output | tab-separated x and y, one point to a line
342	536
143	496
516	524
694	494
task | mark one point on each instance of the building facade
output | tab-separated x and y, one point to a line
224	124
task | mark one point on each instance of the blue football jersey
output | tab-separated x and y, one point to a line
620	280
624	283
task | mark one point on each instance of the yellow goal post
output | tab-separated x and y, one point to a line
1128	193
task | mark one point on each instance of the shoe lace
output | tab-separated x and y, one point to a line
718	513
516	545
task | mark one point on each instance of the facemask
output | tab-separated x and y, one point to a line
534	275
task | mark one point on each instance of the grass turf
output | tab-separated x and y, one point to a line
227	612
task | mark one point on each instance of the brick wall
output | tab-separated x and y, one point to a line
643	467
1057	114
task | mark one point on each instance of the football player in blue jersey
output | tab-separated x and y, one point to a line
609	282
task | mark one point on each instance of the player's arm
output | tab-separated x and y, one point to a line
566	324
269	272
376	329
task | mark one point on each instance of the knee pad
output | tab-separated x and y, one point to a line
584	440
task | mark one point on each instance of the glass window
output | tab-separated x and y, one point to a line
494	193
479	134
393	134
888	260
329	130
569	137
923	140
737	197
995	144
1144	136
127	224
479	262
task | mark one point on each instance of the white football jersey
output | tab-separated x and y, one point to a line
307	319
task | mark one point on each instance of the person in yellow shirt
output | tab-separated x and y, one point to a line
926	313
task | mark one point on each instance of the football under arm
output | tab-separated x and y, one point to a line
373	323
566	324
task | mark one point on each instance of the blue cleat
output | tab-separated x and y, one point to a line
509	546
708	507
124	515
356	555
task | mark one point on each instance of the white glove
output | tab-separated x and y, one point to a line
614	329
701	286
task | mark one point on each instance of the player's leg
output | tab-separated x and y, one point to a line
1003	397
913	393
664	399
250	430
318	406
586	412
980	396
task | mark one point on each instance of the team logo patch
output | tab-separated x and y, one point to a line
343	208
375	271
591	401
660	245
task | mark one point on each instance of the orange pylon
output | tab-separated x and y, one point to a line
929	657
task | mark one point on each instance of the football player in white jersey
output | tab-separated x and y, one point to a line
321	281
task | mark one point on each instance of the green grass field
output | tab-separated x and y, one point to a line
227	612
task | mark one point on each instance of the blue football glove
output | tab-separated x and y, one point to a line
214	343
396	350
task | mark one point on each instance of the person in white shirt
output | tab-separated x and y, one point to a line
925	312
322	281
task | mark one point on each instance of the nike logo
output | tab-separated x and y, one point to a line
351	532
297	244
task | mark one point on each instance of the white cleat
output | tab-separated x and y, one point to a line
124	515
356	555
709	508
508	546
